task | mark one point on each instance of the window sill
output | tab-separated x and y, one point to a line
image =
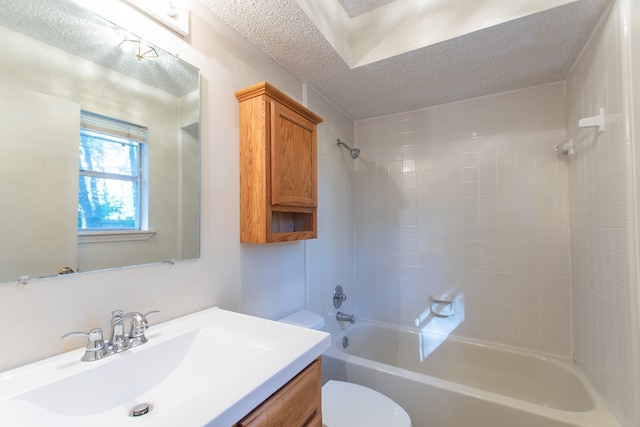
114	236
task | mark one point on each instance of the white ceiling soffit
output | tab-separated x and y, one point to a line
532	50
406	25
358	7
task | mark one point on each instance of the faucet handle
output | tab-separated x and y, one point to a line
95	345
139	324
95	335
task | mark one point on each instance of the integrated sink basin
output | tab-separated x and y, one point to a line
207	368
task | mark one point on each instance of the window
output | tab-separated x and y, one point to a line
111	186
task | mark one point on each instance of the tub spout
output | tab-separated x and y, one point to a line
343	317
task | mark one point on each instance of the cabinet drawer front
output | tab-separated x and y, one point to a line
297	404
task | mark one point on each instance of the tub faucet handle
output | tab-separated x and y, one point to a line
338	296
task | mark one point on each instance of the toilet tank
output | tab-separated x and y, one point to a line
304	318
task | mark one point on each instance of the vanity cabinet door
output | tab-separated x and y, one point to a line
296	404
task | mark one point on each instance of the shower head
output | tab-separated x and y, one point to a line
353	152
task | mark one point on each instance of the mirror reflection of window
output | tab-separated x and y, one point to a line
112	174
48	77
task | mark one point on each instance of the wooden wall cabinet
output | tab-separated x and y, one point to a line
278	167
297	404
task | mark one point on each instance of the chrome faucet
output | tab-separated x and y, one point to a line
96	348
343	317
119	340
139	324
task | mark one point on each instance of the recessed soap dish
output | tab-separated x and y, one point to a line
442	305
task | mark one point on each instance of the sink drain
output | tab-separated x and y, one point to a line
345	342
141	409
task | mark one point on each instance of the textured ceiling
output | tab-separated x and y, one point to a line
529	51
68	26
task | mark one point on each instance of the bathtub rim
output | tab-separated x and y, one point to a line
550	357
598	414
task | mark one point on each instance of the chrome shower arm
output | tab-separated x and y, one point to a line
354	152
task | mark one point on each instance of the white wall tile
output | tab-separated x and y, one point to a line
481	210
602	221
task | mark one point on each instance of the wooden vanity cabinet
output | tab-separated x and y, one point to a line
278	167
296	404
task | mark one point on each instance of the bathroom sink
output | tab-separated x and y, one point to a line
207	368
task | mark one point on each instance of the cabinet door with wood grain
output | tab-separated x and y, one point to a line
293	158
278	167
297	404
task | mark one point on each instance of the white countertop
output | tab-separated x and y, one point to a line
207	368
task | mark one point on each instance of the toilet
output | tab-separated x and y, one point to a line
346	404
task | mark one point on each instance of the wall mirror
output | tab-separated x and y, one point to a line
99	145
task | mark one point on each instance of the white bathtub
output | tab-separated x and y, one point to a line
459	383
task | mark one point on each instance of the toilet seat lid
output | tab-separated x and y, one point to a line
348	404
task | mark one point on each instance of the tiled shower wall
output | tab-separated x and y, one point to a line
604	288
468	198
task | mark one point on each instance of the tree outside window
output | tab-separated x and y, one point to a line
111	174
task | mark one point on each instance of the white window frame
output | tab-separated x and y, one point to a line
114	127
